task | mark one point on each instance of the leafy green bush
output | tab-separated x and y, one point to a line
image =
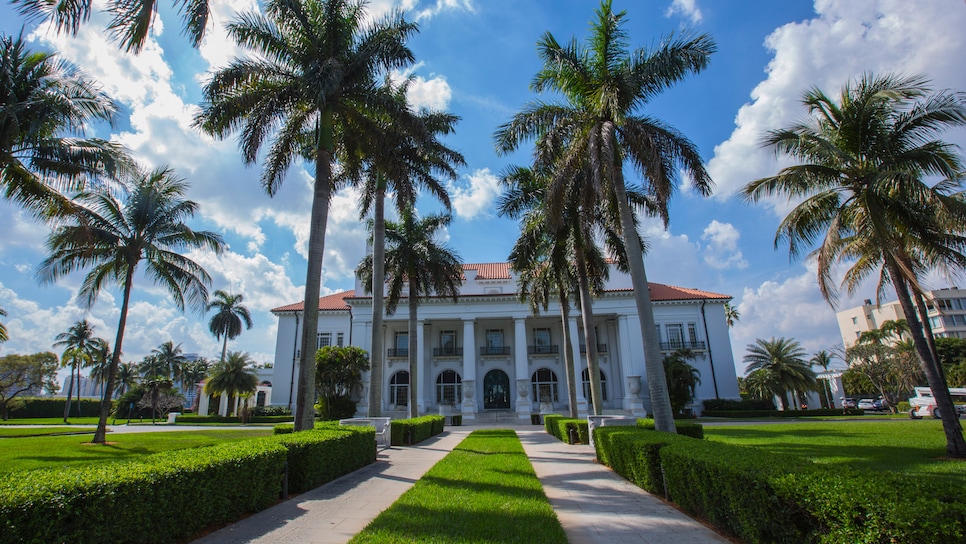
271	411
686	428
634	453
142	501
456	420
53	407
738	405
406	432
322	455
288	428
550	424
903	406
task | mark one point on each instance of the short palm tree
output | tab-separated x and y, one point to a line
152	367
599	123
193	373
418	264
112	235
233	377
46	104
682	378
313	80
77	343
863	161
100	361
228	318
170	358
779	364
127	377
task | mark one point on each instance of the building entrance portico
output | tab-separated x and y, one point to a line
496	391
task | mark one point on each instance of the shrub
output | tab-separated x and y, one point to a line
550	424
634	453
739	405
456	421
271	411
406	432
903	406
686	428
53	407
191	419
322	455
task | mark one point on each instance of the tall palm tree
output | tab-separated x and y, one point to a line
780	364
3	330
233	376
100	361
131	19
152	367
401	158
604	87
417	264
192	374
77	343
863	161
823	360
313	78
228	318
127	377
46	104
112	235
170	358
732	315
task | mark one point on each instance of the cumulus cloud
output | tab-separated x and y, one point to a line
686	8
722	251
420	13
475	197
843	41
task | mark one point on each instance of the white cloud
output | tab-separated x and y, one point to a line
843	41
722	250
476	198
686	8
440	5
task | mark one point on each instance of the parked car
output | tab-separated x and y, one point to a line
879	405
848	403
866	404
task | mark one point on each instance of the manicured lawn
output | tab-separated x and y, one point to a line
910	447
41	431
53	421
60	451
485	490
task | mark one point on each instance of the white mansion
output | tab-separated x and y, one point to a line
488	353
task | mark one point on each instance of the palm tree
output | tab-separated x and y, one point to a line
682	378
863	160
232	377
314	77
77	341
731	314
100	361
131	23
604	87
113	235
780	364
3	330
127	377
228	318
45	105
416	263
152	367
823	359
170	358
192	374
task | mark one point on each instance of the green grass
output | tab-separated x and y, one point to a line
485	490
61	451
53	421
46	430
910	447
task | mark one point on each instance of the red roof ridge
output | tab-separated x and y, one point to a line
333	302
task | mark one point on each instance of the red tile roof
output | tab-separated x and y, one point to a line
333	302
490	271
662	292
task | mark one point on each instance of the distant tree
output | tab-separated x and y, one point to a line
77	354
232	377
228	318
127	377
823	359
3	330
25	374
952	351
161	397
193	373
151	367
170	357
731	314
100	361
682	378
338	374
777	367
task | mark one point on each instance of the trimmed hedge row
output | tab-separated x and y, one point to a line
190	419
824	412
559	426
145	500
684	427
760	496
406	432
53	407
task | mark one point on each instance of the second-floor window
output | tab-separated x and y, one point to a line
447	342
325	339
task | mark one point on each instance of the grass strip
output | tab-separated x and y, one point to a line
485	490
39	452
53	421
18	432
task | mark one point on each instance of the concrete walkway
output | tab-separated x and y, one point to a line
593	503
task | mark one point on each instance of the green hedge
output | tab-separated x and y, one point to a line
162	498
191	419
739	405
686	428
288	428
824	412
322	455
406	432
54	407
550	424
760	496
559	426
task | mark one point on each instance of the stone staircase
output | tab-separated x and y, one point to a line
497	417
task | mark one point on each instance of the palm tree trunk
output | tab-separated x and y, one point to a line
413	361
100	435
70	393
224	347
568	352
305	397
378	291
955	444
653	362
78	391
927	331
590	338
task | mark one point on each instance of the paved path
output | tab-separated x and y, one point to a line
594	504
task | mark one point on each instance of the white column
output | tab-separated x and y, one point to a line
223	405
469	369
578	367
630	377
203	400
421	378
522	359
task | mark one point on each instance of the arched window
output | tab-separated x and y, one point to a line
544	386
399	389
585	378
449	388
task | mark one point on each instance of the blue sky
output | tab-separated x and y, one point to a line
476	59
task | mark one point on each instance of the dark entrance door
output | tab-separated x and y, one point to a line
496	391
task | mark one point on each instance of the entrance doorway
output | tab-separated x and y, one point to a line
496	390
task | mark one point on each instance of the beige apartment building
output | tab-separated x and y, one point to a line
947	315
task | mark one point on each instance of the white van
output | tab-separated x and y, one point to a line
923	404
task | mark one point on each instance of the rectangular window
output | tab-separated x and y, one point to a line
402	340
541	337
339	338
494	338
325	339
447	340
675	335
855	321
692	333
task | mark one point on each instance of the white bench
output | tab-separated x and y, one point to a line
383	426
